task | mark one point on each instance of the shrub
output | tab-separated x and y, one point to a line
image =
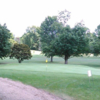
20	52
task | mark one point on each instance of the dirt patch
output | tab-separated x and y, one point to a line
13	90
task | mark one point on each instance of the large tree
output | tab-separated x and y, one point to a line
72	42
48	32
31	38
5	44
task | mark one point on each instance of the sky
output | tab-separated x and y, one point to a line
20	14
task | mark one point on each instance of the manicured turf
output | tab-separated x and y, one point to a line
57	77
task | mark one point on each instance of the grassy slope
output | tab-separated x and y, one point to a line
56	77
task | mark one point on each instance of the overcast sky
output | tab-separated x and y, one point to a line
19	14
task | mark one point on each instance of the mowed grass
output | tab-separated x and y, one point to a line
57	77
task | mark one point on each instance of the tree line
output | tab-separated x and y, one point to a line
56	38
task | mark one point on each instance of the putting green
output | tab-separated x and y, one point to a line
37	63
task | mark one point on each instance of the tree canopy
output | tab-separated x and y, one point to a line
95	45
5	44
31	38
72	42
48	32
54	37
20	52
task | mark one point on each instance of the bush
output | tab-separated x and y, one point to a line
20	52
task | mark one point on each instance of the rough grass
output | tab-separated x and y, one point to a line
57	77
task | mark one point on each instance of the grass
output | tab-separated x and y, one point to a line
57	77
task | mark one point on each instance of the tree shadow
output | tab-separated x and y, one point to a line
92	65
2	63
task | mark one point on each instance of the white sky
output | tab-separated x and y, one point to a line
19	14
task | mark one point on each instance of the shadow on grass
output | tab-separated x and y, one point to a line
92	65
42	60
2	63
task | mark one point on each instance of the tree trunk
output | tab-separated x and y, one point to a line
66	59
51	58
19	61
39	48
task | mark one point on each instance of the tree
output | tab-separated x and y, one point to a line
5	45
48	32
31	38
96	41
12	40
97	32
20	52
72	42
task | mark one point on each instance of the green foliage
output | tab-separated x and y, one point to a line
81	35
20	52
48	32
96	41
12	40
31	38
71	42
97	31
5	45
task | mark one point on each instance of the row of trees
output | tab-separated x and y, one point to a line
31	38
10	48
62	40
55	37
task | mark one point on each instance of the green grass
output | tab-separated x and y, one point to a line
57	77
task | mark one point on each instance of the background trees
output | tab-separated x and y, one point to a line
12	40
54	37
5	44
31	38
95	45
